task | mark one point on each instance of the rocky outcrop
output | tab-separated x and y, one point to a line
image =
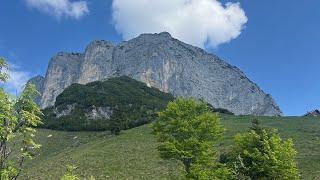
66	111
90	113
63	70
38	81
164	63
99	113
97	62
315	113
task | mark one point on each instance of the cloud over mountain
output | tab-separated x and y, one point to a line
60	8
17	79
198	22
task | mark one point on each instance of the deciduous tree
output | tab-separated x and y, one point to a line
188	132
17	121
262	154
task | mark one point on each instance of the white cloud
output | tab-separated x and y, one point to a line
17	79
198	22
60	8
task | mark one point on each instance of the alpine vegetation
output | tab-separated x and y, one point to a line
18	119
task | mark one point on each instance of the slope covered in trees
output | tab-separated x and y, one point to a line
119	102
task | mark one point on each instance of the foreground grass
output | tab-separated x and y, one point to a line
133	154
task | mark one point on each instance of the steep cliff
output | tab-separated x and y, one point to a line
38	81
63	70
164	63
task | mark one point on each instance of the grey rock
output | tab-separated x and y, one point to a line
164	63
63	70
315	113
91	113
64	112
99	113
97	59
38	81
76	143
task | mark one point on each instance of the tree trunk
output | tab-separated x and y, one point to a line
187	166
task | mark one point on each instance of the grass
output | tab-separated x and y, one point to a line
133	154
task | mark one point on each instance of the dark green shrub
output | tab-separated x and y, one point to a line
219	110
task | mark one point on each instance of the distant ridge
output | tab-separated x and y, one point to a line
313	113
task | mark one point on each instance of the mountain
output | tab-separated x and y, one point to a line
313	113
119	102
162	62
38	81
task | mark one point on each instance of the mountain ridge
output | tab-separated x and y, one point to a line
314	113
165	63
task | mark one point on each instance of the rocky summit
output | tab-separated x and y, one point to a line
162	62
315	113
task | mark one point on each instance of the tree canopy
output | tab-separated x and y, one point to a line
188	132
17	121
262	154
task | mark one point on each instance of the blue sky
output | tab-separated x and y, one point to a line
277	46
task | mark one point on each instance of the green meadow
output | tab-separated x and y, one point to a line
133	154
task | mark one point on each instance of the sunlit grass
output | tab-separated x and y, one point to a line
133	154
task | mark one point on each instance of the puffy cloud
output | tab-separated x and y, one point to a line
198	22
60	8
17	79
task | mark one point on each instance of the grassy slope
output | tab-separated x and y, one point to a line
133	154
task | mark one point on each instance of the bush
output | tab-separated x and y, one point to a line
262	154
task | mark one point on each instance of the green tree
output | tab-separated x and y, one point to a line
115	126
3	67
70	175
17	118
188	131
262	154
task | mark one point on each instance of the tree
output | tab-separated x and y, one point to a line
3	66
188	131
70	175
115	126
262	154
18	119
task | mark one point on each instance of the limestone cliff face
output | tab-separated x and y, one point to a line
63	70
165	63
38	81
97	62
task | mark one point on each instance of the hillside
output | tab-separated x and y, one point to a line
133	154
101	105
